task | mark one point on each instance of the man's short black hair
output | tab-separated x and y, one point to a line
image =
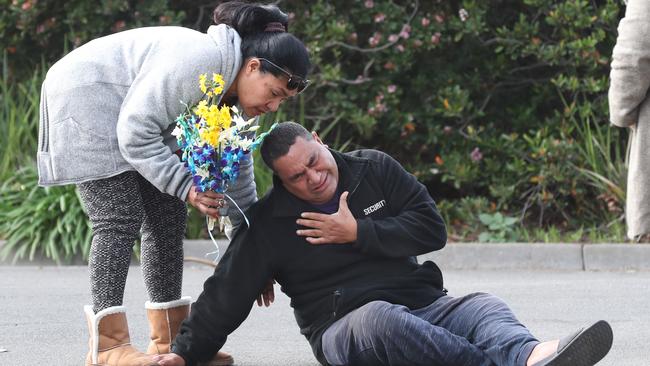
278	142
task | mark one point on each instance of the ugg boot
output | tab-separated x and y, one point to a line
165	320
109	342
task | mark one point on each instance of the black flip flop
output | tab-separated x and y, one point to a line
584	348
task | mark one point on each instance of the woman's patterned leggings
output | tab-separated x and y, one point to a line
120	208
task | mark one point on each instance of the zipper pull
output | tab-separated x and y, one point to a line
335	302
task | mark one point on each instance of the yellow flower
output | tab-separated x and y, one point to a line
224	117
218	81
202	80
211	120
201	109
210	136
215	87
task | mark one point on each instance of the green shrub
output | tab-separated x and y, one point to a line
46	221
462	216
477	98
500	101
18	122
499	228
34	220
35	30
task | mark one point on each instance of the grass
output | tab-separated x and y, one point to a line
613	232
45	221
19	107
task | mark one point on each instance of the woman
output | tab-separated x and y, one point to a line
107	113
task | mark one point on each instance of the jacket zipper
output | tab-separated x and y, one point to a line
353	190
335	302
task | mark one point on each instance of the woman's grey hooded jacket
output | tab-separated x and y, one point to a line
110	106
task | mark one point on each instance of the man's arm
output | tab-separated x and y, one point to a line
226	300
630	74
416	228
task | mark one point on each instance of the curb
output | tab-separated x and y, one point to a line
479	256
617	257
511	256
538	256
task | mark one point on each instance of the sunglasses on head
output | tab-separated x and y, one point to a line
293	81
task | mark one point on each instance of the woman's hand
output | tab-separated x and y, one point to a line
208	202
169	359
268	294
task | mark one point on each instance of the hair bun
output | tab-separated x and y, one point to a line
251	19
275	27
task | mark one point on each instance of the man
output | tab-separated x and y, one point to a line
340	233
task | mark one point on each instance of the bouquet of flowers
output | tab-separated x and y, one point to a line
214	141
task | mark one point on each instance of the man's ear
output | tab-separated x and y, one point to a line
314	134
317	138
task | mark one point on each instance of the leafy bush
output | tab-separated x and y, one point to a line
499	228
47	29
498	104
18	122
36	220
477	98
462	216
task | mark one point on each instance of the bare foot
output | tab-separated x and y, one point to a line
542	351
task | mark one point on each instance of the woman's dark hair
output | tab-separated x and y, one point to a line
259	39
279	140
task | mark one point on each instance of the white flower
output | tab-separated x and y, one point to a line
239	121
245	143
177	132
203	173
463	14
229	134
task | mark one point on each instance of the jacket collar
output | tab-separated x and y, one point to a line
228	44
351	172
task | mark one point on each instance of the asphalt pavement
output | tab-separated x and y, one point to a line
42	321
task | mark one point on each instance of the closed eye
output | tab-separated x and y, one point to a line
294	178
280	93
312	160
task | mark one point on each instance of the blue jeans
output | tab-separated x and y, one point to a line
477	329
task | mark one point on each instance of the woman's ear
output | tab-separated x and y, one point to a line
253	64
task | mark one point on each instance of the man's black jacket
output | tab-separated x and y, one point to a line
396	219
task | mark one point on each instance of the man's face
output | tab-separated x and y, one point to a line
308	171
